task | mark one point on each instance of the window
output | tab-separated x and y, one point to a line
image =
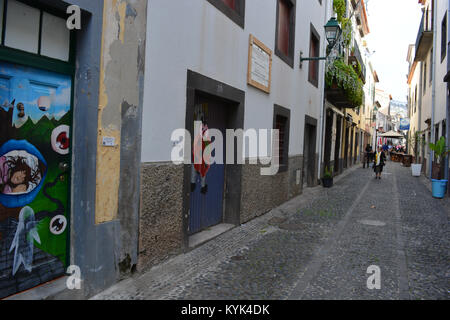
425	78
436	138
285	33
444	129
415	100
233	9
32	30
230	3
431	66
314	51
281	122
444	38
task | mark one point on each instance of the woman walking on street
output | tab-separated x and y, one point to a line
379	162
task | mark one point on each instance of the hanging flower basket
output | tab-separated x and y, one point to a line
343	86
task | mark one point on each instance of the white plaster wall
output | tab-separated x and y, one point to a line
414	116
441	68
195	35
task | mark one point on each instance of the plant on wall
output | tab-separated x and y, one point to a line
340	7
345	77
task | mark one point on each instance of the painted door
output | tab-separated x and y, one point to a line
35	121
207	183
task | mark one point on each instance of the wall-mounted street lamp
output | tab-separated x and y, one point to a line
332	33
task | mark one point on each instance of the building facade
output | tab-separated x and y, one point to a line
427	89
347	127
70	120
203	74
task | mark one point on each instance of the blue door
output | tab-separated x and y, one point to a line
207	183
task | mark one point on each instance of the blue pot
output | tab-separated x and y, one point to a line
439	187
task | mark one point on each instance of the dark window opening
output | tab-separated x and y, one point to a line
285	32
230	3
281	122
444	129
233	9
436	139
415	100
431	67
314	51
425	78
444	38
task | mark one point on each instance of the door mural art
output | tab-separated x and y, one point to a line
207	180
35	124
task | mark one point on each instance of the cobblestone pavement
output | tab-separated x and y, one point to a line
319	246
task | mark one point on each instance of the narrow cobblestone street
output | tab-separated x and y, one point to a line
319	246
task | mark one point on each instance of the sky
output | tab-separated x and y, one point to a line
393	25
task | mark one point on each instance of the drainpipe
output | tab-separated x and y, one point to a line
433	99
322	110
447	122
420	152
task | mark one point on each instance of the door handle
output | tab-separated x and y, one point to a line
63	166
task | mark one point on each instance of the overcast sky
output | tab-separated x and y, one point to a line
393	26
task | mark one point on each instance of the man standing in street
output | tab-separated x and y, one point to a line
367	156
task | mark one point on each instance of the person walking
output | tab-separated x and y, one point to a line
368	157
379	162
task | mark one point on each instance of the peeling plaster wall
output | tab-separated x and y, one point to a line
121	70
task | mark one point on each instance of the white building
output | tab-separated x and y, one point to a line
428	67
197	69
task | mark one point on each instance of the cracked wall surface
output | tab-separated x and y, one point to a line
121	73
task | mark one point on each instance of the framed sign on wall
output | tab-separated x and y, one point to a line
259	72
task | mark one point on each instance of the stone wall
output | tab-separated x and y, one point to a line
261	194
161	231
160	222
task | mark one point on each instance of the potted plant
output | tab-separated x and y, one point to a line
342	76
327	180
416	142
441	151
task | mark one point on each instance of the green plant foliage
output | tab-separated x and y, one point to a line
440	149
358	67
340	7
39	135
346	78
415	142
347	30
328	174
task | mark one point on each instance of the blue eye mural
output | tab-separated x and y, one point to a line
22	173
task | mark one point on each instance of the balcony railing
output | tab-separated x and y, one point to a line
424	40
356	56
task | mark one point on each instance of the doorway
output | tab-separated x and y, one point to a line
328	139
207	181
211	193
346	151
337	148
35	175
309	152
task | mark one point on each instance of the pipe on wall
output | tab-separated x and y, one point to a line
433	98
448	97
